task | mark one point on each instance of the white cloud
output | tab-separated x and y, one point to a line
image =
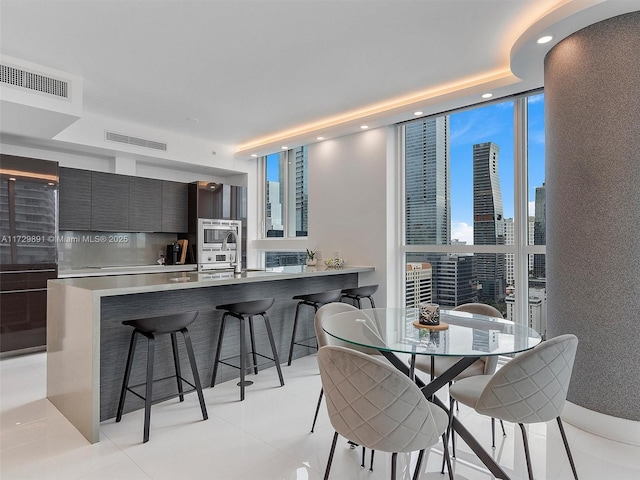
462	231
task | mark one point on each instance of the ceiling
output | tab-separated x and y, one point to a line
246	73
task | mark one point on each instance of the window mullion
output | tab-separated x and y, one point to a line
521	212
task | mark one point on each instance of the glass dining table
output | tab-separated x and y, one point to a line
394	331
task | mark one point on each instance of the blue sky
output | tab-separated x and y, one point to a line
492	123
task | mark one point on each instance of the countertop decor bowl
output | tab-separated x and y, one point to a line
334	262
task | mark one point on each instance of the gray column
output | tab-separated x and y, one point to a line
592	101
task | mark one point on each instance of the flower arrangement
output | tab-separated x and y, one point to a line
311	255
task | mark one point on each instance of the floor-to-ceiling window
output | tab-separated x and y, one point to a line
473	226
286	202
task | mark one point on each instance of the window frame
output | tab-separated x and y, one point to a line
521	248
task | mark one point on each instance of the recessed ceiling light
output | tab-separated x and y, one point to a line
364	127
545	39
284	147
417	113
319	138
254	155
487	95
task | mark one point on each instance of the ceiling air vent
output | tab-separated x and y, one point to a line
18	77
140	142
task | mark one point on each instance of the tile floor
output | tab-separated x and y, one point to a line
265	437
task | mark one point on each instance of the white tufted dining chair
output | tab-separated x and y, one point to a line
373	404
531	388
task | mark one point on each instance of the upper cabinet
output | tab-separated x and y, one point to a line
145	205
74	199
107	202
175	206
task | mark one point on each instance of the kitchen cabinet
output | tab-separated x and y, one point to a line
74	199
175	207
109	202
23	303
145	205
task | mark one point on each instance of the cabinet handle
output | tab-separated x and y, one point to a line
25	290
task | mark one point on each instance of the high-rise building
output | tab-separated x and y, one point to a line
509	258
273	215
427	202
302	193
418	284
488	220
454	281
539	231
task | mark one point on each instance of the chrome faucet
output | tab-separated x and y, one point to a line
238	263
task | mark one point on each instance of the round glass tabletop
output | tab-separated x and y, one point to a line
466	334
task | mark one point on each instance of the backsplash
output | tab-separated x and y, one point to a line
102	249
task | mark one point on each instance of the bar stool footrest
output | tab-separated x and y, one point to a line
248	367
166	397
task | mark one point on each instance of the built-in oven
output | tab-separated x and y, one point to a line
219	244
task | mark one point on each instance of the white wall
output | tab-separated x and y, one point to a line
349	192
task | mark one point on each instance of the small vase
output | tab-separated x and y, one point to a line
311	262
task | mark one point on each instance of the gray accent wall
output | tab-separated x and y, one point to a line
592	101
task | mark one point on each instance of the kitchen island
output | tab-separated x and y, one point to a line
87	343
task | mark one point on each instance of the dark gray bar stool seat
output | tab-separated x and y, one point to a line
358	293
150	328
243	311
315	300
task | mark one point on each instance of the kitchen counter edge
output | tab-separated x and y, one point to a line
112	285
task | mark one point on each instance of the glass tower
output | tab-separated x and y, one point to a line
428	213
488	220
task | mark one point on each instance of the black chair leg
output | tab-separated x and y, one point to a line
242	360
176	362
416	473
566	447
315	418
364	450
373	305
526	451
127	374
371	464
493	433
333	449
276	359
254	356
194	370
218	350
447	458
394	464
504	433
293	334
149	386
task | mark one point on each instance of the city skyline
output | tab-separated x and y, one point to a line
492	123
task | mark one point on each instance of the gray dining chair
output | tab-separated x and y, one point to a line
323	339
373	404
531	388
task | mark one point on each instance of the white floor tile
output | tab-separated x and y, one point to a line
267	436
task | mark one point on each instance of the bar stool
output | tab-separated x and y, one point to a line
150	328
358	293
315	300
240	311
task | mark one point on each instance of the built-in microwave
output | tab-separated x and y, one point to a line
219	244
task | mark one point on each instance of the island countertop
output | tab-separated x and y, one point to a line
154	282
